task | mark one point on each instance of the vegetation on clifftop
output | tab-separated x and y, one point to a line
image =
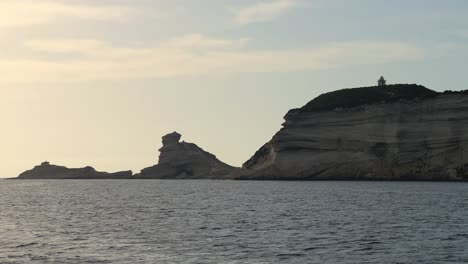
348	98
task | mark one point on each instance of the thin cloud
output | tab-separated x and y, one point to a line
264	11
64	45
200	41
14	13
101	61
463	34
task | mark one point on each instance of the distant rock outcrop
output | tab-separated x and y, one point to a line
182	160
48	171
392	132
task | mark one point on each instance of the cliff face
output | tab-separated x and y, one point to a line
418	136
48	171
181	160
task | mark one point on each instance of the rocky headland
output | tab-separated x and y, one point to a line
386	132
182	160
389	132
49	171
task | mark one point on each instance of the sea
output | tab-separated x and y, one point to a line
157	221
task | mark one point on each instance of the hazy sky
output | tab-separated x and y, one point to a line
88	82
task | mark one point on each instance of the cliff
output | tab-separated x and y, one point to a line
394	132
48	171
182	160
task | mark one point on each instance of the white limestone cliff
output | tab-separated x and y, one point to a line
414	138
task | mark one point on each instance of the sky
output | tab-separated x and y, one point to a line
98	83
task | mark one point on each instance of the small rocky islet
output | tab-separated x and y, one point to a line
177	160
384	132
48	171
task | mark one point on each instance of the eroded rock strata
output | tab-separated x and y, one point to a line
48	171
182	160
397	132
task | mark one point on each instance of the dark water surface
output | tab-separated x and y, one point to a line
232	222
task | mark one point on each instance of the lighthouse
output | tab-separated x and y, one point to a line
382	81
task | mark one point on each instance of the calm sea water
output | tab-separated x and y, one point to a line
232	222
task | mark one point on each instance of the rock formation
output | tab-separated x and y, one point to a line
48	171
182	160
394	132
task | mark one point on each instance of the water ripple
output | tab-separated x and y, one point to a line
232	222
